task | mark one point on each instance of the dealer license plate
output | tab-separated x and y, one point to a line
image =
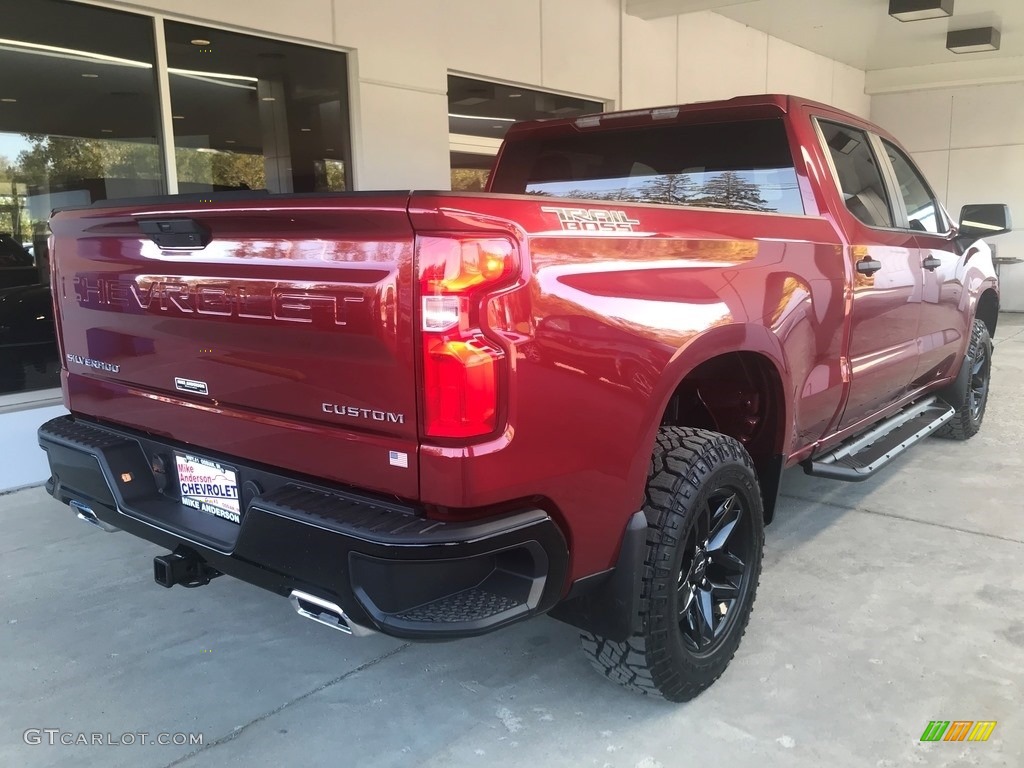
208	486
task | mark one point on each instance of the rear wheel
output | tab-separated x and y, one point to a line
703	562
971	411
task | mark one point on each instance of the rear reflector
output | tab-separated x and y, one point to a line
461	366
460	391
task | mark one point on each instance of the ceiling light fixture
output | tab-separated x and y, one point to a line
229	141
305	130
106	130
90	75
70	53
216	75
200	41
268	98
9	101
973	40
483	117
919	10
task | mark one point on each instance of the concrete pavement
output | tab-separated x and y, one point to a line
882	606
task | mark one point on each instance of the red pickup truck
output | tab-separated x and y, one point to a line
432	415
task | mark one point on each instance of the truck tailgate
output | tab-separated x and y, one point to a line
286	339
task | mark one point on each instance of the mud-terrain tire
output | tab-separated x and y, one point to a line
705	539
971	411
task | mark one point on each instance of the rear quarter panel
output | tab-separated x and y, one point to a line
606	324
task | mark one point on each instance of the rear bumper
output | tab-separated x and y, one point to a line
383	562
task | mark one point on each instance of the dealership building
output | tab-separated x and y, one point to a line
106	100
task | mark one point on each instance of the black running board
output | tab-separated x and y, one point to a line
865	454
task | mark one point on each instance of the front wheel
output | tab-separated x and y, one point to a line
704	546
971	410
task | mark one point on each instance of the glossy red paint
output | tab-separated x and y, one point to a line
301	303
297	318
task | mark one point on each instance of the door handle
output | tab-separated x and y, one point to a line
931	263
868	266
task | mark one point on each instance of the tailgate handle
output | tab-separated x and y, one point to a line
176	233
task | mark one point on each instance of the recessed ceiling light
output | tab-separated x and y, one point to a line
268	98
973	40
920	10
200	41
305	130
229	141
89	75
329	149
106	130
8	101
515	95
178	117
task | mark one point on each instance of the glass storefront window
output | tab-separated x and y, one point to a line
470	171
253	113
480	112
78	123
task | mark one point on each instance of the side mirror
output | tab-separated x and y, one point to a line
978	221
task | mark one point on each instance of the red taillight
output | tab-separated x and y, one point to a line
461	367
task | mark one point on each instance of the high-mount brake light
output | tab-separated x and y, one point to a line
461	366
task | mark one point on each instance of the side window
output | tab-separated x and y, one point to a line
860	179
922	210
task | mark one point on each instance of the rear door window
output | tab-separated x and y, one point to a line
741	166
860	178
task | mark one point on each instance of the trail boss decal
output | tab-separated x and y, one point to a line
593	220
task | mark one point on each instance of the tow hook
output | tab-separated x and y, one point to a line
183	566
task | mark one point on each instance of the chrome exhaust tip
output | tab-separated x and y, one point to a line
327	613
85	513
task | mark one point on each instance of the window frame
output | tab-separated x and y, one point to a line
488	147
40	398
896	212
165	122
940	213
897	206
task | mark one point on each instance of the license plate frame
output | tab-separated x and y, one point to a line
208	486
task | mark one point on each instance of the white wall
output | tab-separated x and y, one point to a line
718	58
970	144
24	463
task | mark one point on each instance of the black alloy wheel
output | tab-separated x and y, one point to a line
716	569
705	538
